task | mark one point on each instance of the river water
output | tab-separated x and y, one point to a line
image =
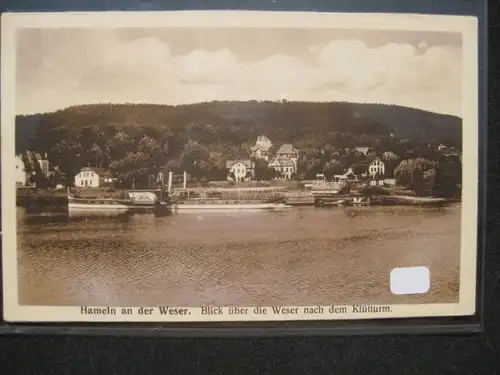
301	256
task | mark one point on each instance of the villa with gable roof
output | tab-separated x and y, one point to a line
285	167
93	177
285	161
240	170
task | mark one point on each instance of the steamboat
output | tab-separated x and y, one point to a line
138	201
321	188
229	199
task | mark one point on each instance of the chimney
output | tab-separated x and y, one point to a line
184	186
170	176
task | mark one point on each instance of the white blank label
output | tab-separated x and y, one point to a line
410	280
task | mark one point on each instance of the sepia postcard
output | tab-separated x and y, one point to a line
210	166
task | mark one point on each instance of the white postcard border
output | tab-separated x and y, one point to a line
466	25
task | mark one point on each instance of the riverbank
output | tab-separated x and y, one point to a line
45	198
39	197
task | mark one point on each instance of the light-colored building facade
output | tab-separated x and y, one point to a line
89	177
376	168
43	162
261	148
286	167
285	161
20	176
240	170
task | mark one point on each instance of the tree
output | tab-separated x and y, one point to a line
410	173
96	155
261	170
448	179
135	168
333	168
118	146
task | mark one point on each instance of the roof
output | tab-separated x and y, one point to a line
377	160
363	150
259	147
286	149
263	138
102	172
282	163
246	163
390	155
263	143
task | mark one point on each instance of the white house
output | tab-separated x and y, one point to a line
92	177
376	168
240	170
20	175
287	167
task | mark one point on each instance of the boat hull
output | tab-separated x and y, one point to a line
98	207
141	202
417	201
229	207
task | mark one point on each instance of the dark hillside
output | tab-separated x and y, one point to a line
239	122
135	141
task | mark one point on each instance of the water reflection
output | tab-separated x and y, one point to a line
68	217
298	256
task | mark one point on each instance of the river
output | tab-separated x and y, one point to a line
301	256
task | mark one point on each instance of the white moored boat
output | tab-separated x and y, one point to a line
137	202
103	204
229	199
226	205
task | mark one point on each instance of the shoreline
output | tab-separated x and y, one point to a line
43	198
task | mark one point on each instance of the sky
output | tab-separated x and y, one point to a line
57	68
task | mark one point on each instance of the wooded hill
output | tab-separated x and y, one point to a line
239	122
202	136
